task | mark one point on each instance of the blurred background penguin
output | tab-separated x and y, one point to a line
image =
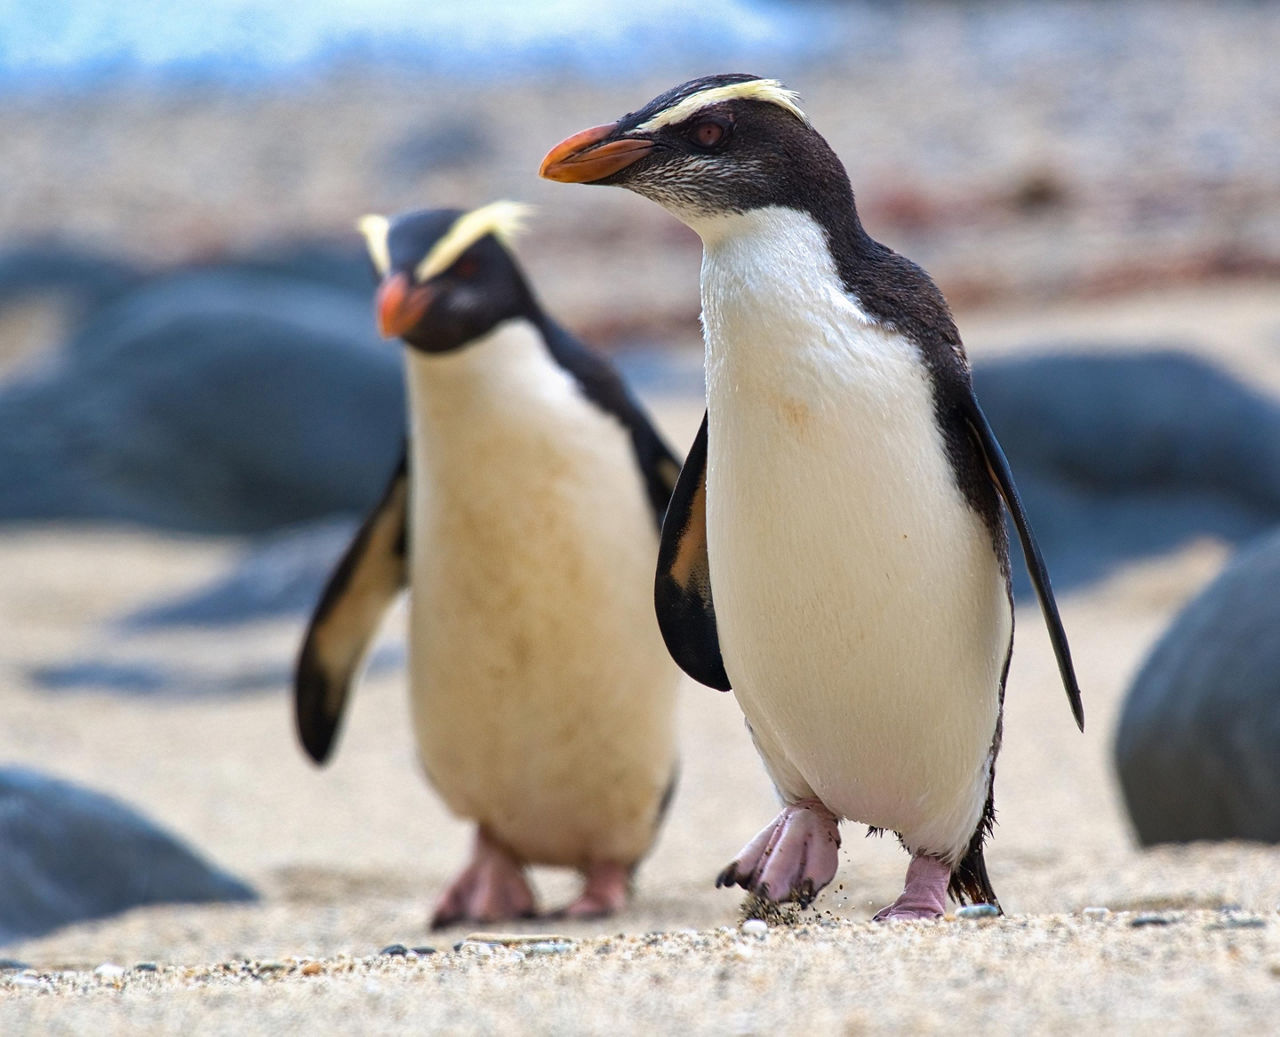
525	524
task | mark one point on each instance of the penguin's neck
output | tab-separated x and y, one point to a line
775	311
498	370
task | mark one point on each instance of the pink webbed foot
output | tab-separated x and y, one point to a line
492	888
792	858
925	893
606	891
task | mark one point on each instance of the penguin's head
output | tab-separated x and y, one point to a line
446	275
714	146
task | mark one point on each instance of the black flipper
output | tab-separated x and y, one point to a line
1002	476
363	586
682	591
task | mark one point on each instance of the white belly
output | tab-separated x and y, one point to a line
863	617
542	695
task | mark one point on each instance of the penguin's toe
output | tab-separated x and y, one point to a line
792	858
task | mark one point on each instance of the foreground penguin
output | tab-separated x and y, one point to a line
835	549
525	524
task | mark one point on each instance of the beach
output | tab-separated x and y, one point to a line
1098	933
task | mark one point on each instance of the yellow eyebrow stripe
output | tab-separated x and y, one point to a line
501	219
752	90
375	229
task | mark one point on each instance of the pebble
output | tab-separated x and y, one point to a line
108	970
26	981
396	950
548	947
423	951
146	966
756	927
1141	920
971	911
514	939
271	966
1239	922
1096	914
312	968
475	949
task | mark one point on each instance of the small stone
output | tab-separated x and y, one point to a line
395	950
972	911
146	966
423	951
756	927
1096	914
108	970
26	981
548	947
515	939
478	950
1140	920
1239	922
271	966
312	968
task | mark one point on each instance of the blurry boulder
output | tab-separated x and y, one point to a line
71	854
215	400
82	279
1198	744
1130	455
283	573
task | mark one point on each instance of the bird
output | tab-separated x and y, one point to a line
523	518
834	552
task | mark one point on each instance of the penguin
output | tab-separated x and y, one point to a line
835	551
524	521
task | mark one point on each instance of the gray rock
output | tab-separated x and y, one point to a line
71	854
230	400
1129	455
281	574
1198	744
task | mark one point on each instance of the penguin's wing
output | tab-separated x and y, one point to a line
1002	476
682	591
363	586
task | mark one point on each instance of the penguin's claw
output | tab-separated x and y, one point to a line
925	894
492	888
797	854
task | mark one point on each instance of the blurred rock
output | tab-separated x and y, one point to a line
71	854
1198	743
214	400
282	574
1129	455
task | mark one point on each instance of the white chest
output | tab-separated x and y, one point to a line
542	695
862	613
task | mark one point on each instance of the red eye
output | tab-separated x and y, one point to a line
466	267
708	133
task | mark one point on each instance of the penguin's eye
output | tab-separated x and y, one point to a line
709	133
466	267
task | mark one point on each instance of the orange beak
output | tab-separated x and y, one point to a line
590	155
400	305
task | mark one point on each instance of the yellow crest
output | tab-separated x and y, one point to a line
752	90
501	219
374	229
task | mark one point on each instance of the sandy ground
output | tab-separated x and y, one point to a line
349	858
